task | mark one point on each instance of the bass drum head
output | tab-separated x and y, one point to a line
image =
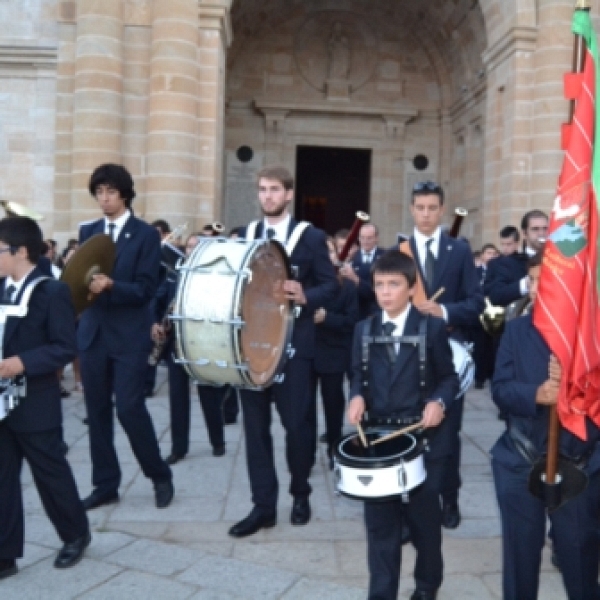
351	452
266	313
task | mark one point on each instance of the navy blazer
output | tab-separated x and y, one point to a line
124	312
44	340
455	272
394	388
319	282
521	367
504	274
334	334
367	303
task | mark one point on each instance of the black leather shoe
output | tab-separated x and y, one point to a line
450	516
64	393
70	554
229	420
300	511
163	492
95	500
422	595
254	522
174	458
8	567
219	450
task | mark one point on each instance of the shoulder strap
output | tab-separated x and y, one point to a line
20	310
251	230
295	237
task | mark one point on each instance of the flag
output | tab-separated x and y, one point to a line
566	311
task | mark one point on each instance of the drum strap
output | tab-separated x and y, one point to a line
416	340
290	245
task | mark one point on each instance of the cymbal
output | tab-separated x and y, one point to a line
14	209
96	255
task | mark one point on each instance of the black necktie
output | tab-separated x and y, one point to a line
7	297
111	231
429	262
270	233
367	259
388	329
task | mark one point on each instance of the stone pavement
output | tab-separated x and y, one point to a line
184	552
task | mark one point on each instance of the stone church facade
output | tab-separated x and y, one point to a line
193	96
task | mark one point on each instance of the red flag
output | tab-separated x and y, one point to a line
566	310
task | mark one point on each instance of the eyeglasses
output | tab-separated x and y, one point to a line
428	186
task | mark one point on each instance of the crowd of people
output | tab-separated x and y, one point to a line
430	288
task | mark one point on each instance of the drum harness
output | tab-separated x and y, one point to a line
14	389
419	340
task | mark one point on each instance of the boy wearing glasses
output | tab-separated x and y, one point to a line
34	346
444	263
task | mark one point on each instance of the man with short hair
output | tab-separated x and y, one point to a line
507	279
113	341
444	263
34	346
509	240
314	285
359	270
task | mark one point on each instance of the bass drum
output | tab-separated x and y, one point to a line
463	365
379	472
233	324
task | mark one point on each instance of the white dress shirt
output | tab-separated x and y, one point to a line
399	322
280	229
119	224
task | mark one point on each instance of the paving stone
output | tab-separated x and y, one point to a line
323	591
155	557
141	586
104	543
238	577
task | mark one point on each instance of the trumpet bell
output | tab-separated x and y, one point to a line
14	209
492	319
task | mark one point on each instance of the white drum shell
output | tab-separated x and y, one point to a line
379	483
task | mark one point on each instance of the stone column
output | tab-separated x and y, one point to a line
97	97
215	37
172	141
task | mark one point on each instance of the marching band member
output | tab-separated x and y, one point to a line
314	284
396	390
526	382
445	262
113	341
36	345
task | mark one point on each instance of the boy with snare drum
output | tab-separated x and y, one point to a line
398	390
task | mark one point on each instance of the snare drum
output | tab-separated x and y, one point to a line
233	324
463	365
380	472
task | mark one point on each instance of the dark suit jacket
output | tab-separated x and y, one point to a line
521	367
45	341
334	334
367	303
394	389
502	281
481	274
455	272
317	276
124	312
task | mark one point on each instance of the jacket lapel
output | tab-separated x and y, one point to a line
12	322
407	350
129	230
445	249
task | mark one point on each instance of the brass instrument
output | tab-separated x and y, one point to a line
361	219
492	318
217	227
14	209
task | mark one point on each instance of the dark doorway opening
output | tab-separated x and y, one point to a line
331	185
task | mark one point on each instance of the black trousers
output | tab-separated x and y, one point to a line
383	521
483	353
124	374
452	480
293	400
575	536
334	403
53	479
180	408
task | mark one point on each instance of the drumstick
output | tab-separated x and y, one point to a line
361	435
398	433
437	294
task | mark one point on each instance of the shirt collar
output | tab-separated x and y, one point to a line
18	284
399	321
119	223
281	229
421	240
